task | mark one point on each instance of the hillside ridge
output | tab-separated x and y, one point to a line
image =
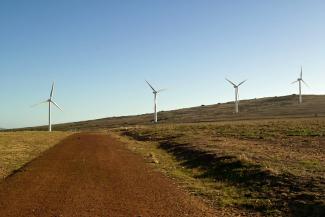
250	109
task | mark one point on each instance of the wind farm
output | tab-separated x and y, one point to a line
247	136
234	135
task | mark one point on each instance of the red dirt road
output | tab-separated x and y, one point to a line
94	175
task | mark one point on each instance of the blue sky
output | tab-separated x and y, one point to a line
99	52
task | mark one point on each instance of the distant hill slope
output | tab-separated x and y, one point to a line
262	108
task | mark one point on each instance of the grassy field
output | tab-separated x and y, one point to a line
276	167
18	148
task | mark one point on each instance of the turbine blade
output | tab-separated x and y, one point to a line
301	72
231	82
305	83
294	82
161	90
151	86
242	82
51	95
56	105
39	103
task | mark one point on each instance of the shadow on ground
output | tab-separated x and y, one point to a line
291	195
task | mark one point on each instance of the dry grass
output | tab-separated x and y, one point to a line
18	148
217	194
286	146
273	166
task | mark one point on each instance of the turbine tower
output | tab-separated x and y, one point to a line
50	101
155	93
299	80
236	93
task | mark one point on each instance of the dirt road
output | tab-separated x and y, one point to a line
93	175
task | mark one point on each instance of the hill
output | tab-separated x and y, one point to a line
252	109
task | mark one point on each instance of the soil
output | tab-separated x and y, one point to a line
91	174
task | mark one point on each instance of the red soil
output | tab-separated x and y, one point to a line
94	175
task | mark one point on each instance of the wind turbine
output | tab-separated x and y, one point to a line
236	93
299	80
155	93
50	101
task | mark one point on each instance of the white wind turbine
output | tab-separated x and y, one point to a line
299	80
236	93
155	93
50	101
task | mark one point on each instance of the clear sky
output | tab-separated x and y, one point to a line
99	52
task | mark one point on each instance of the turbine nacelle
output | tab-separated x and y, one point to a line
300	79
235	85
